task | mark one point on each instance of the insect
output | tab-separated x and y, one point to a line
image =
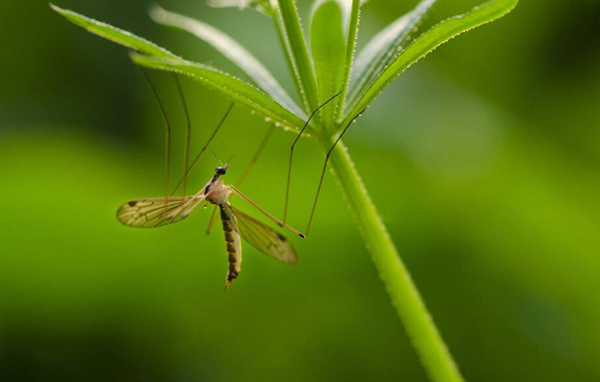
157	212
161	211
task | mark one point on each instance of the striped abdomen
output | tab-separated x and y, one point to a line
232	240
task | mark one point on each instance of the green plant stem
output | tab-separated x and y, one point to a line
405	297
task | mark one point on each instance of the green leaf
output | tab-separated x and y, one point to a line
303	68
428	42
117	35
329	54
229	86
231	49
289	59
264	6
382	49
351	36
159	58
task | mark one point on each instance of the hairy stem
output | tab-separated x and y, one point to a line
405	297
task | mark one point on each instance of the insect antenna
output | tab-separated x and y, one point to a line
216	156
188	130
203	149
312	212
229	160
289	174
167	131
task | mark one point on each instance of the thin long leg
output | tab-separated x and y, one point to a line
187	172
256	156
212	221
314	207
167	131
273	218
188	130
289	174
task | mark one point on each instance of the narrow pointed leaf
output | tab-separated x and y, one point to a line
329	54
303	68
382	49
229	86
231	49
159	58
289	59
114	34
345	6
351	36
428	42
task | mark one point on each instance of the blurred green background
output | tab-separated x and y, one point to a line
483	159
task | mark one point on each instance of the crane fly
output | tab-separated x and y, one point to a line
161	211
157	212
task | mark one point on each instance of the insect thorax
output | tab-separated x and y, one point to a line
218	193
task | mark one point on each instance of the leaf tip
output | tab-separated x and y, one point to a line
136	56
55	7
154	10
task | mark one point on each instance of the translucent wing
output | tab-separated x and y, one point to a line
265	238
156	212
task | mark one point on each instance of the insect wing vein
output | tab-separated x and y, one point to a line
264	238
156	212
